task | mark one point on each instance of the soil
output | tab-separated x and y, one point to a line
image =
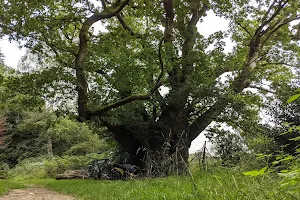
35	193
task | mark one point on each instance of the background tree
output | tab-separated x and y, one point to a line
227	145
285	117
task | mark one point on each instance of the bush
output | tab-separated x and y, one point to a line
66	163
47	167
3	174
31	134
4	166
72	138
28	169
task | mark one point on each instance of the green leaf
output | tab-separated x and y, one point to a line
295	139
278	157
275	162
262	171
286	123
284	133
293	98
289	157
284	171
254	173
290	174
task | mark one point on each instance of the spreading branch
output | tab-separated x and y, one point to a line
103	2
244	28
258	40
206	118
243	80
280	23
260	88
103	15
281	5
124	25
82	85
89	6
104	74
169	10
189	42
197	14
268	11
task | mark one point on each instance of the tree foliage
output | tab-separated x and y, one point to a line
117	72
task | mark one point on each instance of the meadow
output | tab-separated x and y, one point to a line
217	183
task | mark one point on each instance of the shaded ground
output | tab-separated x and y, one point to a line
35	193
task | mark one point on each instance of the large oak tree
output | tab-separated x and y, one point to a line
147	45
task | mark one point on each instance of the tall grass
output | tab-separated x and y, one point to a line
217	184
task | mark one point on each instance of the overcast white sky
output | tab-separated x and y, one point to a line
210	24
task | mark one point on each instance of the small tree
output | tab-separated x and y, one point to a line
227	145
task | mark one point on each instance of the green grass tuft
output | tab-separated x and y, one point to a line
6	185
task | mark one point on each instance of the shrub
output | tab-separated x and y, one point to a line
47	167
3	174
286	165
28	169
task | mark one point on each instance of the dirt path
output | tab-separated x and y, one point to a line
35	193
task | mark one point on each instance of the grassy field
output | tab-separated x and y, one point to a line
215	184
6	185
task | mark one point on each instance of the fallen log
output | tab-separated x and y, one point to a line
75	174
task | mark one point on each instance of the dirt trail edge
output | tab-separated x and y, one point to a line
35	193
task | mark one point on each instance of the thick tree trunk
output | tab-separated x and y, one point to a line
161	162
130	143
168	158
160	149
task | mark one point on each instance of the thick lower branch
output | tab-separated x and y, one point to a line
242	81
119	103
206	118
82	84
